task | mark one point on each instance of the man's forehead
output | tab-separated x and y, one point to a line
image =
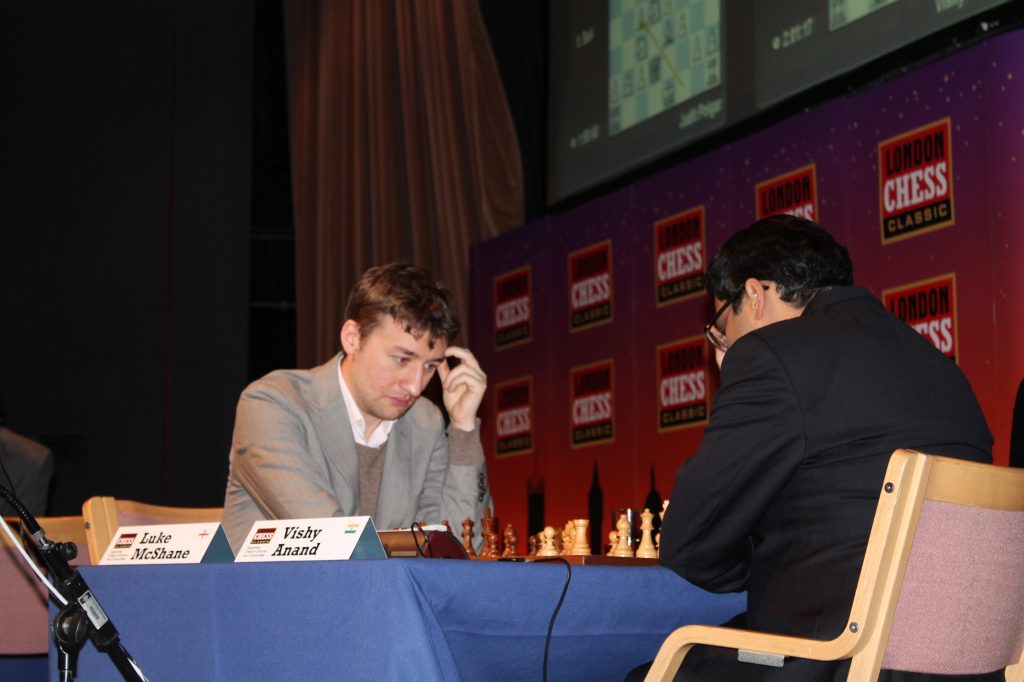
409	340
435	354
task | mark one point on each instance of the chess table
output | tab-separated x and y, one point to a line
395	619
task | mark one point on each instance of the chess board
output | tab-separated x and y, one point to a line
661	54
844	12
601	560
571	543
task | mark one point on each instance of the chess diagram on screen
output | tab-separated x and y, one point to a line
661	53
843	12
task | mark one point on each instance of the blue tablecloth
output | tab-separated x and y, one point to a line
398	619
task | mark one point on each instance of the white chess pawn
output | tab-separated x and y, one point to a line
613	541
647	550
547	547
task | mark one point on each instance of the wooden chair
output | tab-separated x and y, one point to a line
104	515
940	589
24	629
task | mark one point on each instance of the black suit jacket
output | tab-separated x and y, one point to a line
780	497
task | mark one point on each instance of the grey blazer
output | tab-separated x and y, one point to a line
293	456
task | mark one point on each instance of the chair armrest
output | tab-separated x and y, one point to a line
677	644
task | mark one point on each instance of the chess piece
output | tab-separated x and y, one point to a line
580	546
467	537
547	547
633	518
534	544
487	529
511	542
492	549
487	522
613	541
539	539
568	538
623	549
647	550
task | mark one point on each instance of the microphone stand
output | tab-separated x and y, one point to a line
82	615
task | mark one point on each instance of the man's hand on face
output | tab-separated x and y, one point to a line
463	387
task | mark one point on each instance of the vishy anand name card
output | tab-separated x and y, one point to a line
326	539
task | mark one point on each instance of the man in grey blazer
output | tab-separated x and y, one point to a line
353	436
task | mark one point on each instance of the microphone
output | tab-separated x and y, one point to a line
82	614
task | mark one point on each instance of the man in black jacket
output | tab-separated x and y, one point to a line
820	384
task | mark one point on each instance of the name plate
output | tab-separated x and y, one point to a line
169	543
330	539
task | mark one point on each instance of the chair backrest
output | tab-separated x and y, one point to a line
103	515
943	576
24	628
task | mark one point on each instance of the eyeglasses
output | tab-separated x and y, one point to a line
714	334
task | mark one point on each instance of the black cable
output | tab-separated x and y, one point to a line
554	614
27	520
22	531
415	540
3	455
20	511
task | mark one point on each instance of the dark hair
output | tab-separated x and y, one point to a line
801	257
409	295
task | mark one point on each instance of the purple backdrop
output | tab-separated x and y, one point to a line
978	91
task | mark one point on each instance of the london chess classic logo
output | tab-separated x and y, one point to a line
680	245
262	536
513	308
590	286
794	193
125	540
514	419
592	403
929	306
915	172
682	383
